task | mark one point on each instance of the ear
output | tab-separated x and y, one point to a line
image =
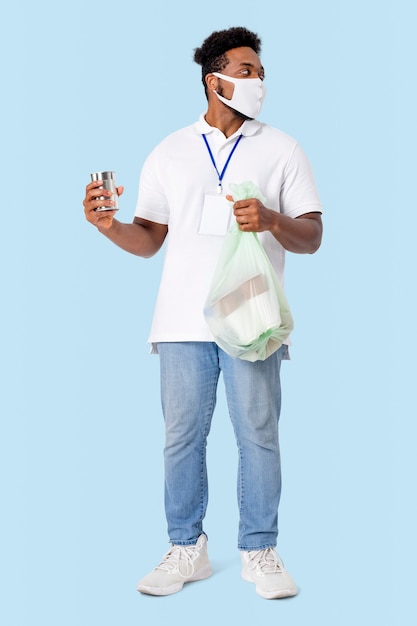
212	82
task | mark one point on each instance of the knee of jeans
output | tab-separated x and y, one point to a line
180	435
263	436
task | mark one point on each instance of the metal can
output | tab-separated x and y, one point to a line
109	182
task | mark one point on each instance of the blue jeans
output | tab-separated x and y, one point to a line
189	376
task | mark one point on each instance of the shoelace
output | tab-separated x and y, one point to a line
181	559
265	561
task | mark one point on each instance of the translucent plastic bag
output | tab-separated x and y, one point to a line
246	309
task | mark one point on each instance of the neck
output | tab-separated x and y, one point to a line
226	121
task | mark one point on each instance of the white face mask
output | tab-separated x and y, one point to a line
248	95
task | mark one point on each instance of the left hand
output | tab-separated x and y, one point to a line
252	216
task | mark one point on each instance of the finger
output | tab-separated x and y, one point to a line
93	204
94	185
241	212
96	192
247	227
105	215
93	201
104	208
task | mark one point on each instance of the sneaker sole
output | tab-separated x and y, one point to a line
202	574
271	595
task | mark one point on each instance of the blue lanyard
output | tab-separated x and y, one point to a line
219	186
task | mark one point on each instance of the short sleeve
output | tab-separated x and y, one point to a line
299	193
152	203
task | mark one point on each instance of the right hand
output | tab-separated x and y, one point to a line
101	219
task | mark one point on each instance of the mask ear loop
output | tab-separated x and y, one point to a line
228	79
220	77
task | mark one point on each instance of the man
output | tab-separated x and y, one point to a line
183	193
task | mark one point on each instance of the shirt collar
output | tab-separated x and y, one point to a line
249	127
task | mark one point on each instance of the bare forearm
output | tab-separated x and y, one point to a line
134	238
301	235
142	237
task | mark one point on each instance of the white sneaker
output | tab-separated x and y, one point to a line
181	564
267	571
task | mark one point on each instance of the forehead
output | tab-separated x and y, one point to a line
243	56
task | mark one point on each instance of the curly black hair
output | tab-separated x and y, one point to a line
211	55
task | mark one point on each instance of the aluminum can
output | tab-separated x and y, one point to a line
109	182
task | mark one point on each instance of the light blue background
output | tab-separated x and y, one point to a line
95	85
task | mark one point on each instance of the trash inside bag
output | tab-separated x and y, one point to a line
246	308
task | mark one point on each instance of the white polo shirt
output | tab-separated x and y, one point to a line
173	182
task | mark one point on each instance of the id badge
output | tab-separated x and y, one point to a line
215	217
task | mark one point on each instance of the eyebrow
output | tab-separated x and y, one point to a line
245	64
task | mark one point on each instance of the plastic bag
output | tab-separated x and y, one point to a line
246	308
